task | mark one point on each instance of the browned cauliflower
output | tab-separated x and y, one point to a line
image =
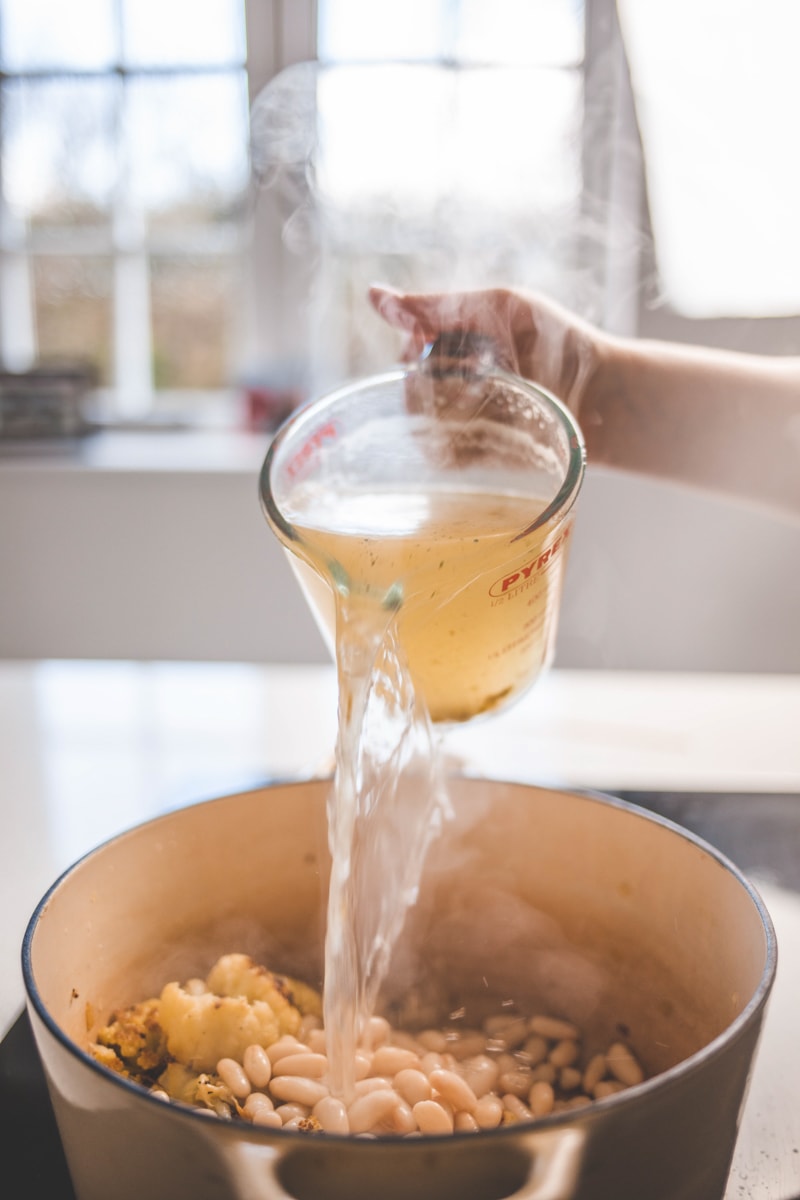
180	1036
133	1042
207	1091
202	1029
238	975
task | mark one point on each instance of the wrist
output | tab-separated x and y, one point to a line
591	370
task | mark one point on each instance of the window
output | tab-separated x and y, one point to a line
125	172
433	143
717	94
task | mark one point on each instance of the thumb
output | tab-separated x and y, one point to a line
423	315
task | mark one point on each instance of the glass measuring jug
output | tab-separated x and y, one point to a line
438	499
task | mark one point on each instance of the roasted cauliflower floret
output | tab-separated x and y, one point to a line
245	1003
289	999
189	1028
134	1038
200	1030
207	1091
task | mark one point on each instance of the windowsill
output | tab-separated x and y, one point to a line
140	451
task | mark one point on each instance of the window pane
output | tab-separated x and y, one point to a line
547	32
425	134
41	34
718	118
193	302
187	146
361	30
59	150
73	309
183	32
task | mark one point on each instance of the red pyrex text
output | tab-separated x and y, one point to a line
517	578
326	433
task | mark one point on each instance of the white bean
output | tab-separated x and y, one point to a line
308	1025
373	1083
467	1045
369	1110
506	1062
388	1060
517	1081
234	1076
284	1045
257	1102
564	1053
403	1119
297	1089
432	1039
258	1066
432	1118
312	1066
607	1087
511	1030
406	1041
464	1122
454	1089
514	1105
431	1061
488	1111
377	1032
316	1041
363	1064
544	1072
554	1028
595	1070
536	1049
623	1066
332	1115
288	1112
541	1099
481	1073
268	1118
412	1085
569	1079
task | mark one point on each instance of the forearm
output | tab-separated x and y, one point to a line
721	421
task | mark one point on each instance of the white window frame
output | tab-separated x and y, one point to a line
272	326
278	33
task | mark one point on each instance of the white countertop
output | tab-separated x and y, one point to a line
90	748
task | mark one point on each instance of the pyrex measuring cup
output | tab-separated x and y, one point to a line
439	499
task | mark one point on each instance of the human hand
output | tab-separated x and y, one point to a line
535	337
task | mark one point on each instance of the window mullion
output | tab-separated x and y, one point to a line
280	34
18	343
131	308
17	319
613	170
133	339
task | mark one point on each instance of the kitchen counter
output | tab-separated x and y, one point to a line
88	749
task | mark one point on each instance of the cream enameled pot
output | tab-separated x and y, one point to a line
577	903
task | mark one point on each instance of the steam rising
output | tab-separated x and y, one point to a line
431	178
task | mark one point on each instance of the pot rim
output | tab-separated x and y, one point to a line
663	1080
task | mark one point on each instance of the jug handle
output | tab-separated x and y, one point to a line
555	1155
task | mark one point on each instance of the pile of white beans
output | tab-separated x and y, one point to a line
433	1082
